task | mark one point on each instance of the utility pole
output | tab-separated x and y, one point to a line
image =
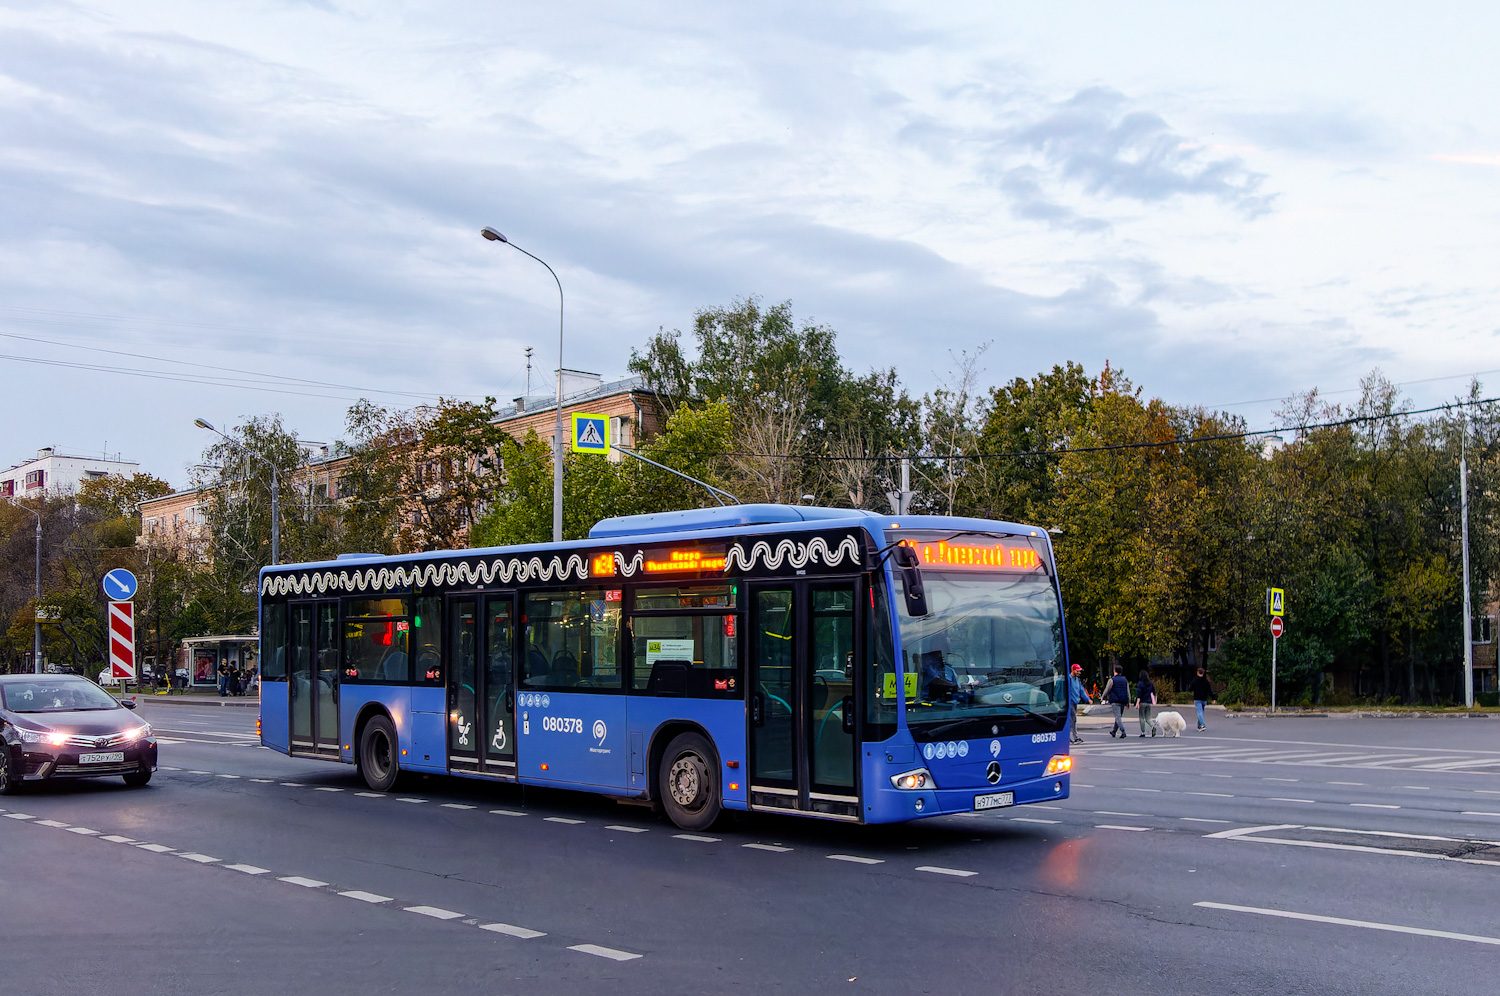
901	500
1463	506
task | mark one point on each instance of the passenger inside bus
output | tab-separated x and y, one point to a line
938	680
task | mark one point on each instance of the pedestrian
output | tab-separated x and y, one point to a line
1202	691
223	679
1079	696
1117	694
1145	699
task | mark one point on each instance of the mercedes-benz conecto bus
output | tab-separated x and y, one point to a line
785	659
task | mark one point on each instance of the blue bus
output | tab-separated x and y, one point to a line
785	659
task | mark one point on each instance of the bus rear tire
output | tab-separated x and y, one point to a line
378	763
689	781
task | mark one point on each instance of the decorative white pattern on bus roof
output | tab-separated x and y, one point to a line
506	570
800	554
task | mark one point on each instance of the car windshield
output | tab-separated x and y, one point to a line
53	695
989	649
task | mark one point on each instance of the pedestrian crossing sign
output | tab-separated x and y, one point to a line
1276	601
591	434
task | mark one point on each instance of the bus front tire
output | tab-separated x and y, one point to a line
378	762
690	782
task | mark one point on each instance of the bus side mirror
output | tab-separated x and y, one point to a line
910	570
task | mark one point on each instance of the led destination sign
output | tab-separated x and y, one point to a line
975	554
665	561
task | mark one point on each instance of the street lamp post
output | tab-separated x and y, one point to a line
275	490
557	433
36	636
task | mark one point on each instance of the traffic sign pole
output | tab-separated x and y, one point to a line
1277	628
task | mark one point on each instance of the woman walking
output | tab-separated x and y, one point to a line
1145	698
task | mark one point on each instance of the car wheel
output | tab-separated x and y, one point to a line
138	778
378	762
10	784
689	782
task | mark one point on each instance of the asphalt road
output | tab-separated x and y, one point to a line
1263	856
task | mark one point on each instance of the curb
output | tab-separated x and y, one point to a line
241	703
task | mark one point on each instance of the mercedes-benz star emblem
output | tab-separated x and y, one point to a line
992	773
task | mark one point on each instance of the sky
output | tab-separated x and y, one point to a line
238	209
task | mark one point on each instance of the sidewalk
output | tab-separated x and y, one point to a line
207	697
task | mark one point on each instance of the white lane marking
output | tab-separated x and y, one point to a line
624	829
1373	805
1082	786
767	847
1110	812
561	819
1362	849
1403	836
698	837
1032	819
19	816
327	788
1356	784
365	897
525	933
1126	788
167	767
293	785
614	954
49	823
1207	774
202	859
115	838
411	800
156	848
1200	819
1472	812
1149	771
1111	826
1487	791
1043	805
1241	831
1277	798
248	869
83	830
1345	922
200	772
1453	765
505	812
938	870
263	781
1213	795
229	776
1402	760
306	883
856	859
457	805
1281	779
436	912
370	795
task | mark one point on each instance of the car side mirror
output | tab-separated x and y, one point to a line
128	703
909	567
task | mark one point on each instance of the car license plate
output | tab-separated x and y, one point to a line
102	758
995	800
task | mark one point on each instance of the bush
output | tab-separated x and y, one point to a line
1488	699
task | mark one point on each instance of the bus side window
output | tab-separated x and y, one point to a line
273	642
694	656
571	640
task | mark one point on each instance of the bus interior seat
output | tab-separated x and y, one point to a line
669	678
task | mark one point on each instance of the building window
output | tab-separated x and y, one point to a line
35	479
1213	641
7	488
1484	629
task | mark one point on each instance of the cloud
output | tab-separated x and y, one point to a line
1097	140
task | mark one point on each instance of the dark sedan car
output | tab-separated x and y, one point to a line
63	726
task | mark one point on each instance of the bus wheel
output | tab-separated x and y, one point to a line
690	782
377	754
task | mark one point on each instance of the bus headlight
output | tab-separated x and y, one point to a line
1060	764
913	780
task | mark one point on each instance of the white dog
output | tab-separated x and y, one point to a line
1170	723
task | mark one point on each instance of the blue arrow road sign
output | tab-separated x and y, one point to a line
119	585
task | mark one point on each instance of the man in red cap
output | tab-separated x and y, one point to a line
1077	695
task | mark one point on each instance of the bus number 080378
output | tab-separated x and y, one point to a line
562	724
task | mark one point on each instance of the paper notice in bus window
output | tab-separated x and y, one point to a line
668	650
888	690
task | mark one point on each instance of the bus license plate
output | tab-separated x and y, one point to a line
995	800
105	758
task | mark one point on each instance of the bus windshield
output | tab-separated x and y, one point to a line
988	653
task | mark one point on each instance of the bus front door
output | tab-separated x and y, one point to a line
481	734
803	709
313	679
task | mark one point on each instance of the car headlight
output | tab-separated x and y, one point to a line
35	736
911	781
138	733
